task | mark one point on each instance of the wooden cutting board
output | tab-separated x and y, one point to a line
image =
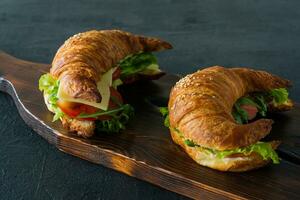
145	149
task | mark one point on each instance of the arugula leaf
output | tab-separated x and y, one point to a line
101	112
165	113
137	63
246	101
238	117
260	101
263	108
279	95
49	85
239	114
117	122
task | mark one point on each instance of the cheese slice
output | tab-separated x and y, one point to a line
103	87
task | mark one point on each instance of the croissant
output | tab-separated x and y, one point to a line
200	112
83	58
82	62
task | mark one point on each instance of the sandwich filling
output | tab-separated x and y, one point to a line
256	104
111	114
244	110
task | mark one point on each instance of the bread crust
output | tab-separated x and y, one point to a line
81	61
282	107
200	106
83	128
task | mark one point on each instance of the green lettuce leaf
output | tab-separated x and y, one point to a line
262	104
280	95
259	100
262	148
246	101
138	63
165	113
190	143
239	114
116	83
118	120
49	86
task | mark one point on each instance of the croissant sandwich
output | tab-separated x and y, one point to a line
217	115
81	88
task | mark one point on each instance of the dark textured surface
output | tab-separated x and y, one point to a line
259	34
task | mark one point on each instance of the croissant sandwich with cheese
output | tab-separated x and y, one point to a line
217	115
81	88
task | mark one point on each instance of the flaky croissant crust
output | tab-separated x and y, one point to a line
81	61
85	57
201	104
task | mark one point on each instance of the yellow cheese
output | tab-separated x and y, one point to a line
104	88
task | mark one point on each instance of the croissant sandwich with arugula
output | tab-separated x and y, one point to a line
81	88
217	115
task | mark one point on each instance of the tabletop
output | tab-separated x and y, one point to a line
256	34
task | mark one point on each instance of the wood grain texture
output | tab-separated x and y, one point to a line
146	151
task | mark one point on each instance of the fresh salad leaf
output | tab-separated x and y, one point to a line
239	114
259	100
49	85
137	63
279	95
189	143
262	148
108	112
117	121
165	113
246	101
116	83
262	104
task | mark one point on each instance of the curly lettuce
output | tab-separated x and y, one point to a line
49	85
165	113
140	63
264	149
280	96
117	121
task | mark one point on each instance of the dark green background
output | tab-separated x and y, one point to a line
261	34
